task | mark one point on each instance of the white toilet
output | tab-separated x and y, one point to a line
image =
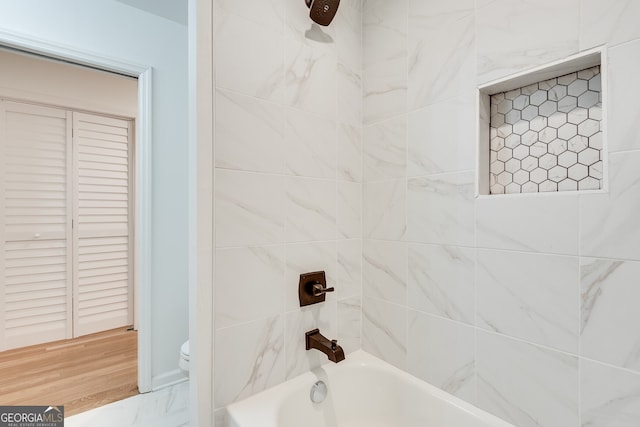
183	362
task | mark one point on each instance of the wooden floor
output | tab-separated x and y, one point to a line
81	373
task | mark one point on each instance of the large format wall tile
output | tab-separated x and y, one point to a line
624	86
350	324
349	275
440	209
349	210
385	150
310	144
441	352
610	222
384	273
610	315
533	224
612	22
384	59
323	316
527	385
306	258
249	284
441	281
385	210
349	83
610	397
441	51
529	296
384	331
258	143
269	13
248	359
310	210
249	58
504	47
249	208
442	138
310	79
349	152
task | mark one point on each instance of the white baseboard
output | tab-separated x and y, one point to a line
168	379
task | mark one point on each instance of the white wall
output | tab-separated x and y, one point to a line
114	30
527	305
287	189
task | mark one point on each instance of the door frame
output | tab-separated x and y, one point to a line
143	177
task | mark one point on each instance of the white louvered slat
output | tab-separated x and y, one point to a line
60	281
102	212
35	225
35	261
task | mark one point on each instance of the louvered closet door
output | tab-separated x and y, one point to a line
102	273
35	225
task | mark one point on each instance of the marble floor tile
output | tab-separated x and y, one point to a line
168	407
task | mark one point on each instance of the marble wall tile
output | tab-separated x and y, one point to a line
311	78
441	51
349	210
441	281
612	22
609	222
323	316
384	59
385	90
385	149
311	143
610	397
384	331
385	209
301	28
348	27
525	384
249	208
258	143
504	49
440	209
310	210
610	316
350	324
533	224
241	277
305	258
268	13
529	296
349	81
384	274
442	353
249	58
248	358
624	109
441	138
349	275
220	417
349	152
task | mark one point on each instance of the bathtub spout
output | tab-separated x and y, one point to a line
314	339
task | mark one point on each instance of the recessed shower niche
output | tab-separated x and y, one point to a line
543	130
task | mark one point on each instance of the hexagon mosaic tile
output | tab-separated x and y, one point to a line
547	136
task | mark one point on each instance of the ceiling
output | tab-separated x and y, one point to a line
174	10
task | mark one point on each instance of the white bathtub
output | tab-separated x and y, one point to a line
363	391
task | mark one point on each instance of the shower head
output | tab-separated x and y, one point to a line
322	11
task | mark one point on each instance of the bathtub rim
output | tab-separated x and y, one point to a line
267	402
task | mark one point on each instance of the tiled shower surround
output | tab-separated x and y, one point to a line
523	306
547	136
